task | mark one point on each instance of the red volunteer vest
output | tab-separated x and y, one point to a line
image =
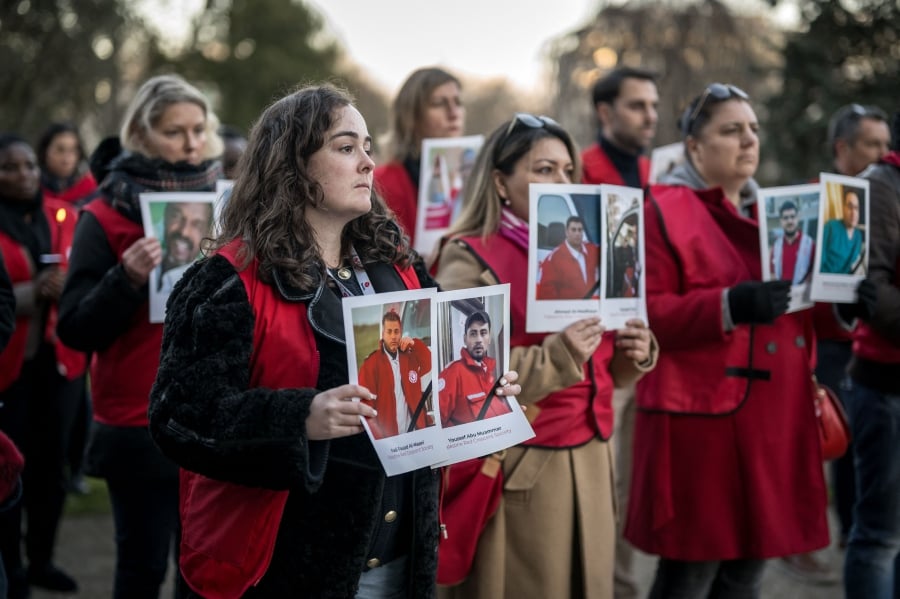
577	414
393	184
229	530
123	373
598	168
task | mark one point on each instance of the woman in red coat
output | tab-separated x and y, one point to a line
727	462
428	105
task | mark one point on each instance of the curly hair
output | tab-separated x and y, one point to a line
267	207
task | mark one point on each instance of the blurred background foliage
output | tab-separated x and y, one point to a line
82	61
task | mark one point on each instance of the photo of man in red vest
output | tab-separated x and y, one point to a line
465	385
571	270
393	373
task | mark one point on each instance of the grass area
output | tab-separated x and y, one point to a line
96	501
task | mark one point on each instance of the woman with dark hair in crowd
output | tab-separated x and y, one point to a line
168	138
282	493
428	105
727	461
554	531
64	172
41	380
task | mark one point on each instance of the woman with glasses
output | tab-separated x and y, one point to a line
727	463
428	105
554	531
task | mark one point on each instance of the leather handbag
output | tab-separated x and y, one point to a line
834	431
470	497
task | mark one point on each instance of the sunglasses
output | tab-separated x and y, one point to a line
719	92
530	121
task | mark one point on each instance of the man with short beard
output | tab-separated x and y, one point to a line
792	252
185	225
465	384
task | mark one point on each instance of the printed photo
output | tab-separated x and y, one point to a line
444	168
842	245
390	340
563	255
473	355
181	221
664	159
788	219
623	256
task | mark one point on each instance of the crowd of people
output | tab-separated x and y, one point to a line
228	437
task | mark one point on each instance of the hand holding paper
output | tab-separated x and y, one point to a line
334	414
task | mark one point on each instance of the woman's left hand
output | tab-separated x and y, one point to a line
634	340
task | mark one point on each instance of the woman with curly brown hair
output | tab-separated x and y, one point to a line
281	493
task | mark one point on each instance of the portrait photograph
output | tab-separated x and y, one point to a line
564	264
622	256
842	246
445	165
664	159
390	351
473	354
181	222
788	221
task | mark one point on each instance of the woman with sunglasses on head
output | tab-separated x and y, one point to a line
554	531
428	105
727	462
168	140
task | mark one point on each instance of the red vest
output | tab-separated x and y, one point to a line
400	193
696	246
871	345
229	530
20	269
123	373
82	188
577	414
598	168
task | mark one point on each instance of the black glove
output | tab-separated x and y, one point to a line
755	302
864	308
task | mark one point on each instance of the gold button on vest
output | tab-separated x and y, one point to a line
374	562
390	516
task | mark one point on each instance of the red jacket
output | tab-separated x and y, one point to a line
401	194
464	385
577	414
727	459
560	275
598	168
229	530
21	270
377	376
123	373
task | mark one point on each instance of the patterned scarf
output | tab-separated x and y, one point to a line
514	228
133	174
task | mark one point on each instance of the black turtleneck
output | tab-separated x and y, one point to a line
625	163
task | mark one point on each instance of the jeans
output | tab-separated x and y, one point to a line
390	581
730	579
146	520
872	562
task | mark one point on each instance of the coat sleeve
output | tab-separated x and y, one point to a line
543	368
98	302
884	257
204	414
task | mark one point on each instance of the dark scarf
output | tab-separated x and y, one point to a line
60	184
413	166
26	223
625	163
133	174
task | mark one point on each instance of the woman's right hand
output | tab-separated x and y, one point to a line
334	413
582	337
48	284
140	259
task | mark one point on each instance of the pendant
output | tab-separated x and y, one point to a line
344	273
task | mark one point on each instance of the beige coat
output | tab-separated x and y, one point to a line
554	532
